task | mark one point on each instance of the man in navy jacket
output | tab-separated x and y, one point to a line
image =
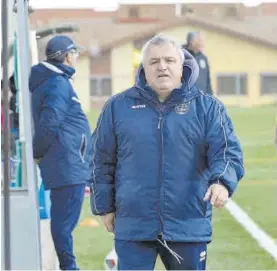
164	153
195	44
62	141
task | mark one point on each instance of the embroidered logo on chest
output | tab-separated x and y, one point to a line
182	108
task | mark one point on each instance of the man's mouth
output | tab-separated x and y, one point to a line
163	76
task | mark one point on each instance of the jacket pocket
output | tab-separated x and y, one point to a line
83	148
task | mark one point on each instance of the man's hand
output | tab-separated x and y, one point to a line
108	221
217	194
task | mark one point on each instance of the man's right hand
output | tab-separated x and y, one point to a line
108	221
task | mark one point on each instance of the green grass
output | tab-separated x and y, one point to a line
258	189
232	247
93	117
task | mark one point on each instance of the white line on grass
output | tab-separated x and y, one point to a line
263	239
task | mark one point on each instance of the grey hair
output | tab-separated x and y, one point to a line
162	39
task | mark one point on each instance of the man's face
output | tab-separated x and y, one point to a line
72	57
163	68
197	44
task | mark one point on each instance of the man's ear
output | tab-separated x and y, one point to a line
68	58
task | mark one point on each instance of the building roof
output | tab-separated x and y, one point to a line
106	32
261	30
97	33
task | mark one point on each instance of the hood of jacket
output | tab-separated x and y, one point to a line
190	72
45	70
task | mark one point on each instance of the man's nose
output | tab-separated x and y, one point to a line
162	65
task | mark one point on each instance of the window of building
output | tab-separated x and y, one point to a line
185	10
100	86
231	11
232	84
133	12
268	83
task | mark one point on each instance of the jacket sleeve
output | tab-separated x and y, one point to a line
103	164
54	107
225	158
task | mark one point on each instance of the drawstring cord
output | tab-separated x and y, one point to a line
175	255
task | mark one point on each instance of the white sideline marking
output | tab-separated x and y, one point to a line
262	238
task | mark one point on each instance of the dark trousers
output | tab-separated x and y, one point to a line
66	205
142	255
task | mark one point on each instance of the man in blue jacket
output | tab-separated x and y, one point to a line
164	153
195	44
62	141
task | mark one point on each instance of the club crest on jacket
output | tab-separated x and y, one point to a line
182	108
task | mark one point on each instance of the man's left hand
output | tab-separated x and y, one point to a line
217	194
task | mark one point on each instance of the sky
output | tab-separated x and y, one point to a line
113	4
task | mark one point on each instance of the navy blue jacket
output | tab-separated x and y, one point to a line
153	162
62	137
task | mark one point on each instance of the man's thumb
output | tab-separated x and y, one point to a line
110	226
208	194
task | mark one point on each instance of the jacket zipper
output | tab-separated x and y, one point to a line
159	123
161	160
161	168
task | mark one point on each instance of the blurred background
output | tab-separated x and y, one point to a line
241	45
